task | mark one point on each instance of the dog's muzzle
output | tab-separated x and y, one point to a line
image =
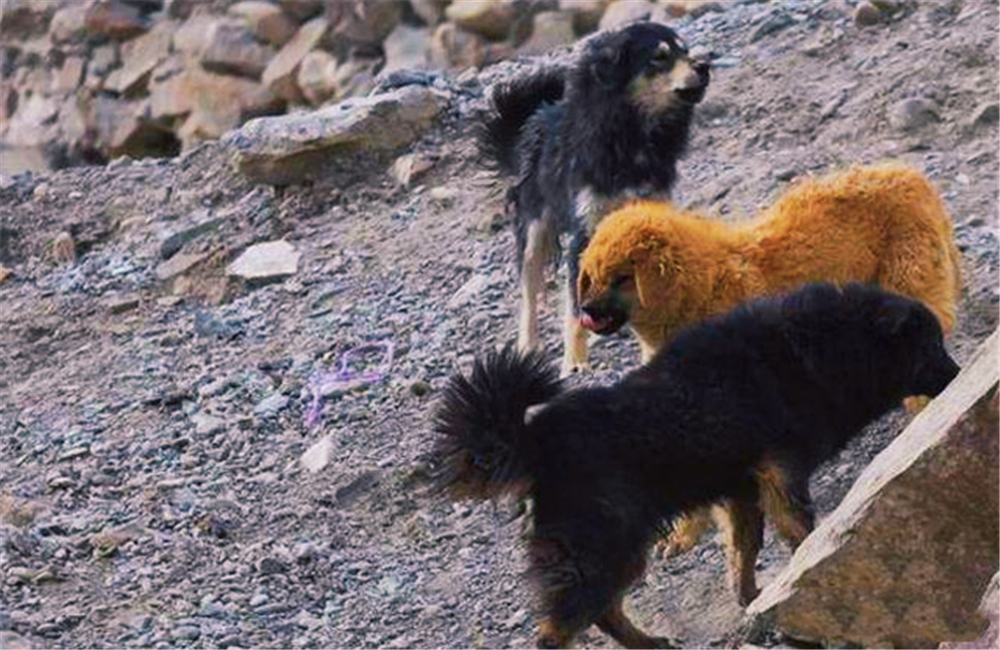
601	320
693	89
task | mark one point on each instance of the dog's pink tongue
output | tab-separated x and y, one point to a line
588	321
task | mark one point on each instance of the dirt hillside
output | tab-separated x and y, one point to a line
152	426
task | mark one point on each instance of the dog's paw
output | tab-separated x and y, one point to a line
667	549
571	368
916	403
748	595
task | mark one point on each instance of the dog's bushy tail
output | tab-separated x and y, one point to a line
512	104
483	447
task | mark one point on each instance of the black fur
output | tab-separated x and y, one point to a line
788	380
560	131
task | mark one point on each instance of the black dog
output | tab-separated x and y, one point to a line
579	142
745	403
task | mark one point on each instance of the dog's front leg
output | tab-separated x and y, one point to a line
576	352
532	279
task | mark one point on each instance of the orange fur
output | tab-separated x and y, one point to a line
883	224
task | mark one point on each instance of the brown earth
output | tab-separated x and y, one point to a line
151	430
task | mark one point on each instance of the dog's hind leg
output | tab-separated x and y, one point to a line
784	496
532	283
742	524
576	352
616	624
686	531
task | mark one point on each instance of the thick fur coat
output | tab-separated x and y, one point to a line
745	403
577	142
658	269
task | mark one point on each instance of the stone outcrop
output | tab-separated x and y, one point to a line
906	557
293	148
171	74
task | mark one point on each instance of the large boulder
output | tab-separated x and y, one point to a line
279	77
294	148
209	104
905	558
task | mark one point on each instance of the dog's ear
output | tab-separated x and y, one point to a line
893	316
652	276
604	66
583	283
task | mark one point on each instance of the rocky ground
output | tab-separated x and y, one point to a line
153	417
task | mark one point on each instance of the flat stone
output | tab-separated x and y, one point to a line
205	424
178	265
201	222
318	455
293	148
122	304
271	404
269	260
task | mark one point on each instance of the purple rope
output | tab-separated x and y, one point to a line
322	383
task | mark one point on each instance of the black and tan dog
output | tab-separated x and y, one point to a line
740	409
579	142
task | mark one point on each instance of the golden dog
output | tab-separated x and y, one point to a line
659	269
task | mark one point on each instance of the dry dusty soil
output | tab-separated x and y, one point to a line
151	431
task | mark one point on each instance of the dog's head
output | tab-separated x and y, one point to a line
648	65
894	343
914	343
627	267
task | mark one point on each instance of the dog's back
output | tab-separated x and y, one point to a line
883	223
793	375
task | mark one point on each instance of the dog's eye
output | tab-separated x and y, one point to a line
621	280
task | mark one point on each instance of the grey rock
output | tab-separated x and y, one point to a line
234	50
912	114
178	265
185	633
271	404
205	424
204	223
772	25
270	565
292	148
266	261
